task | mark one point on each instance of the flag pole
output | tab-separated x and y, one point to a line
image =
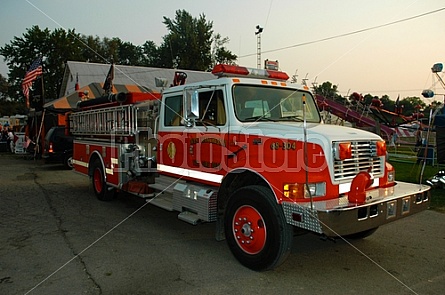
42	132
43	89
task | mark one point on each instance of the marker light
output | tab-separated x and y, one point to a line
381	148
225	70
342	150
222	70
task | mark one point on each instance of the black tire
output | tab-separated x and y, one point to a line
362	234
256	229
68	161
100	187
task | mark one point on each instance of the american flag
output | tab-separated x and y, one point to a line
108	84
31	75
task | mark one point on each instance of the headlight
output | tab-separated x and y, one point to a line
317	189
391	176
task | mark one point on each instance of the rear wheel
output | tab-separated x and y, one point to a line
100	187
68	161
256	229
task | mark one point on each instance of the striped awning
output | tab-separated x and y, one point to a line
93	90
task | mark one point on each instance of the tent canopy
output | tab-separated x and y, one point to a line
84	73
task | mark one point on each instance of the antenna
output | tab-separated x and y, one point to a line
295	77
305	79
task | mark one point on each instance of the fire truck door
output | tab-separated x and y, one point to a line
206	142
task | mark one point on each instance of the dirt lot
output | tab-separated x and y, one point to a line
56	238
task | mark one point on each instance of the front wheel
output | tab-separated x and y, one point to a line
256	229
100	187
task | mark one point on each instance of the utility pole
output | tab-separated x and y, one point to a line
258	32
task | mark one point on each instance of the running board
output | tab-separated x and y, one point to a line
189	217
162	201
194	202
166	202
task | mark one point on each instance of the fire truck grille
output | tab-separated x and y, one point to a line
364	157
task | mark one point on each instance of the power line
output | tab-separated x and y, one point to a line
348	34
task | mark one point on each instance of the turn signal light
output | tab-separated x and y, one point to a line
343	150
294	191
381	148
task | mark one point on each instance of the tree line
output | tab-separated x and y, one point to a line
190	44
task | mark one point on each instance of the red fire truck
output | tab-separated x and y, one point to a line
248	151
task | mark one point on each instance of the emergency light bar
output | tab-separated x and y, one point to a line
222	70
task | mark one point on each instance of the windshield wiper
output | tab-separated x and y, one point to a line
293	118
259	118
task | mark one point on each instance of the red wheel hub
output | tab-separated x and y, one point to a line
97	178
249	229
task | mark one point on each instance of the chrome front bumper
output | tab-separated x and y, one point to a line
339	217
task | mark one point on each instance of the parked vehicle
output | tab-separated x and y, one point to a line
248	151
58	147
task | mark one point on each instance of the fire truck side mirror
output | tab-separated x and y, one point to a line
191	107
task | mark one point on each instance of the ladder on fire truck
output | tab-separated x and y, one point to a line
119	120
122	120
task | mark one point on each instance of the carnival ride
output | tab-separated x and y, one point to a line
374	116
359	119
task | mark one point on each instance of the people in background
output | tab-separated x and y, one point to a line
418	137
11	140
394	139
4	132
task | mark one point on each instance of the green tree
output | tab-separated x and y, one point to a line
55	47
92	49
151	55
434	105
388	104
3	88
367	99
9	108
328	90
110	48
188	43
129	54
220	54
410	105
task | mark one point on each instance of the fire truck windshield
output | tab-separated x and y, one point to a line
261	103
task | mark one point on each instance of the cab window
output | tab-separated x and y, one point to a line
211	108
173	111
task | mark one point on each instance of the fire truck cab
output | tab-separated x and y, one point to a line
247	151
